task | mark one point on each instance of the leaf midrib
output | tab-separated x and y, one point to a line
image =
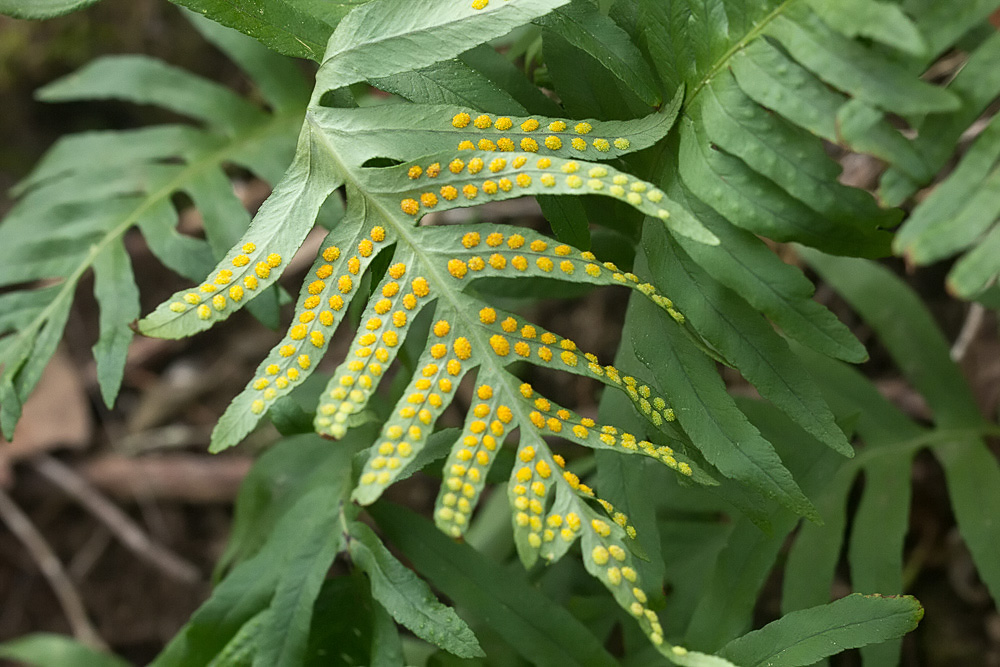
724	59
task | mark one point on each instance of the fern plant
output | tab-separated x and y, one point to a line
693	183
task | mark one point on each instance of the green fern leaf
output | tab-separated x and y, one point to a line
89	209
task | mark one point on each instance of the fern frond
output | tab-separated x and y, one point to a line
92	188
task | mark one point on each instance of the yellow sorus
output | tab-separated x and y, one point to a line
390	338
397	270
595	184
456	166
257	407
526	390
568	358
223	277
475	165
519	263
543	163
249	247
553	142
383	306
622	143
449	192
580	432
470	191
463	349
583	128
345	284
528	331
509	325
522	349
377	234
477	427
433	170
498	261
530	125
485	392
373	323
482	122
528	144
574	181
487	316
503	123
454	367
325	271
519	161
579	144
515	241
523	180
505	184
505	144
634	198
219	302
307	317
654	196
599	555
490	187
192	298
461	120
441	328
494	239
557	126
548	180
304	361
428	199
286	350
500	345
543	469
537	419
466	145
554	425
470	240
336	302
409	206
602	145
293	374
399	319
486	145
504	414
544	263
457	268
438	350
617	190
236	293
315	287
261	269
317	338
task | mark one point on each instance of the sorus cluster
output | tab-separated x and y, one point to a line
529	486
487	423
516	339
324	296
500	175
552	419
398	299
430	391
229	285
533	135
613	563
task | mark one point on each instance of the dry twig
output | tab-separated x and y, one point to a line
52	568
119	523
